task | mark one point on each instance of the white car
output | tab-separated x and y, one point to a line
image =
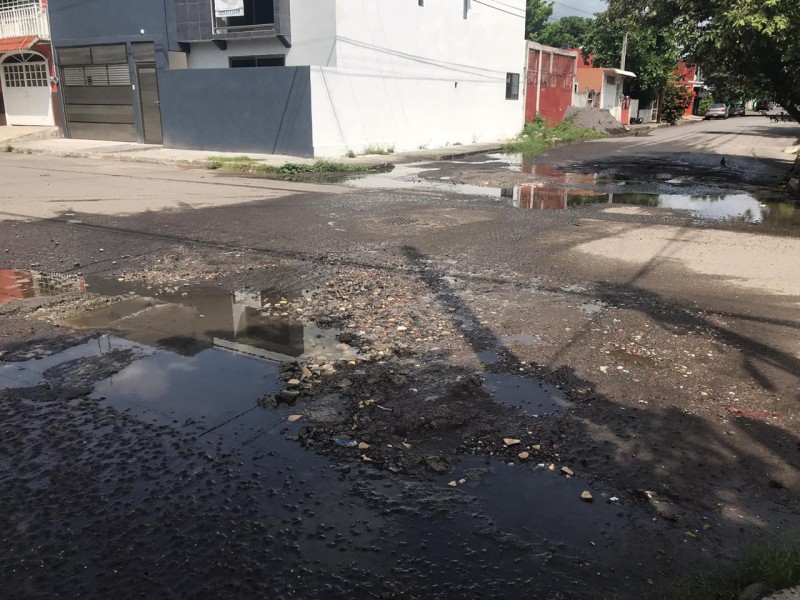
717	111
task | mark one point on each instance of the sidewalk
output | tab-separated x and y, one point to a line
144	153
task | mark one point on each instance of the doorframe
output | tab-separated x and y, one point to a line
154	66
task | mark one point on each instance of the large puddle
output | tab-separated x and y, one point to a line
188	320
195	362
532	502
554	189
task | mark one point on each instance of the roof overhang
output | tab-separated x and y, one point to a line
620	72
15	44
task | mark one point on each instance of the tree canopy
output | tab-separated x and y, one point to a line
567	32
536	15
652	51
744	48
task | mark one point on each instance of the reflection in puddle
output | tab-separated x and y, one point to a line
214	386
30	373
553	511
705	206
18	284
533	397
195	319
555	189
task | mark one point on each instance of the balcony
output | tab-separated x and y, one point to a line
253	15
20	18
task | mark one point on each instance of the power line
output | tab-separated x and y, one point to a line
572	7
500	9
509	5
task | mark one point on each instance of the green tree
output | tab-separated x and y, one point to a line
653	50
675	99
749	48
536	15
745	48
567	32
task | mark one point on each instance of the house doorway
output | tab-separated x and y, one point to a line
26	89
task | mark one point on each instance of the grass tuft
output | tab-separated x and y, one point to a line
378	150
537	138
775	565
320	167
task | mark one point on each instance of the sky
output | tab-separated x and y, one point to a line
562	8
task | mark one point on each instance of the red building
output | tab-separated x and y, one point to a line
689	76
27	86
550	82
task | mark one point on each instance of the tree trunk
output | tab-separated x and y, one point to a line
793	109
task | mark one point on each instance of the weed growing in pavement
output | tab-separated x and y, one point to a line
350	154
8	148
321	167
775	565
377	150
537	137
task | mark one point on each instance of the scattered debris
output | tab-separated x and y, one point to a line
511	441
587	497
567	471
293	418
749	414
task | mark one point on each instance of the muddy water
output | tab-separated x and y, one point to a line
17	284
554	189
533	397
209	479
188	320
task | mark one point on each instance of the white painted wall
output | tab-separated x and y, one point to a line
205	55
313	33
410	76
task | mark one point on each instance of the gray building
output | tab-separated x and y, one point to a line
122	73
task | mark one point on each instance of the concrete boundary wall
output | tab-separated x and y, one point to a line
265	110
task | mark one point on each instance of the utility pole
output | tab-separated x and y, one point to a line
624	52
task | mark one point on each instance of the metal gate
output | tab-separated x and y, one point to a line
98	98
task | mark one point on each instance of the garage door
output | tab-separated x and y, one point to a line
96	84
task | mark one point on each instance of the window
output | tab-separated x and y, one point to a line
256	61
512	86
421	2
25	70
467	6
258	14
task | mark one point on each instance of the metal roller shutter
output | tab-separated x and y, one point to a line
96	84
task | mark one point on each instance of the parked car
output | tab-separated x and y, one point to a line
737	111
763	105
717	111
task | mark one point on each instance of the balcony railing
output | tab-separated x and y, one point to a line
30	20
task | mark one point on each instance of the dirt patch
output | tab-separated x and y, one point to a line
597	119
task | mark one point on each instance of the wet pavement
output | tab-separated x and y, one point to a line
397	394
172	441
548	187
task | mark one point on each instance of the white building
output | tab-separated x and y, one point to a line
402	74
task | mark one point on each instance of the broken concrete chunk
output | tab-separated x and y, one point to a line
511	441
567	471
363	446
293	382
453	483
587	497
293	418
524	455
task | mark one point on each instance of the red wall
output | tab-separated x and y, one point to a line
557	80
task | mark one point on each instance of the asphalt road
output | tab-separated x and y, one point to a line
672	338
